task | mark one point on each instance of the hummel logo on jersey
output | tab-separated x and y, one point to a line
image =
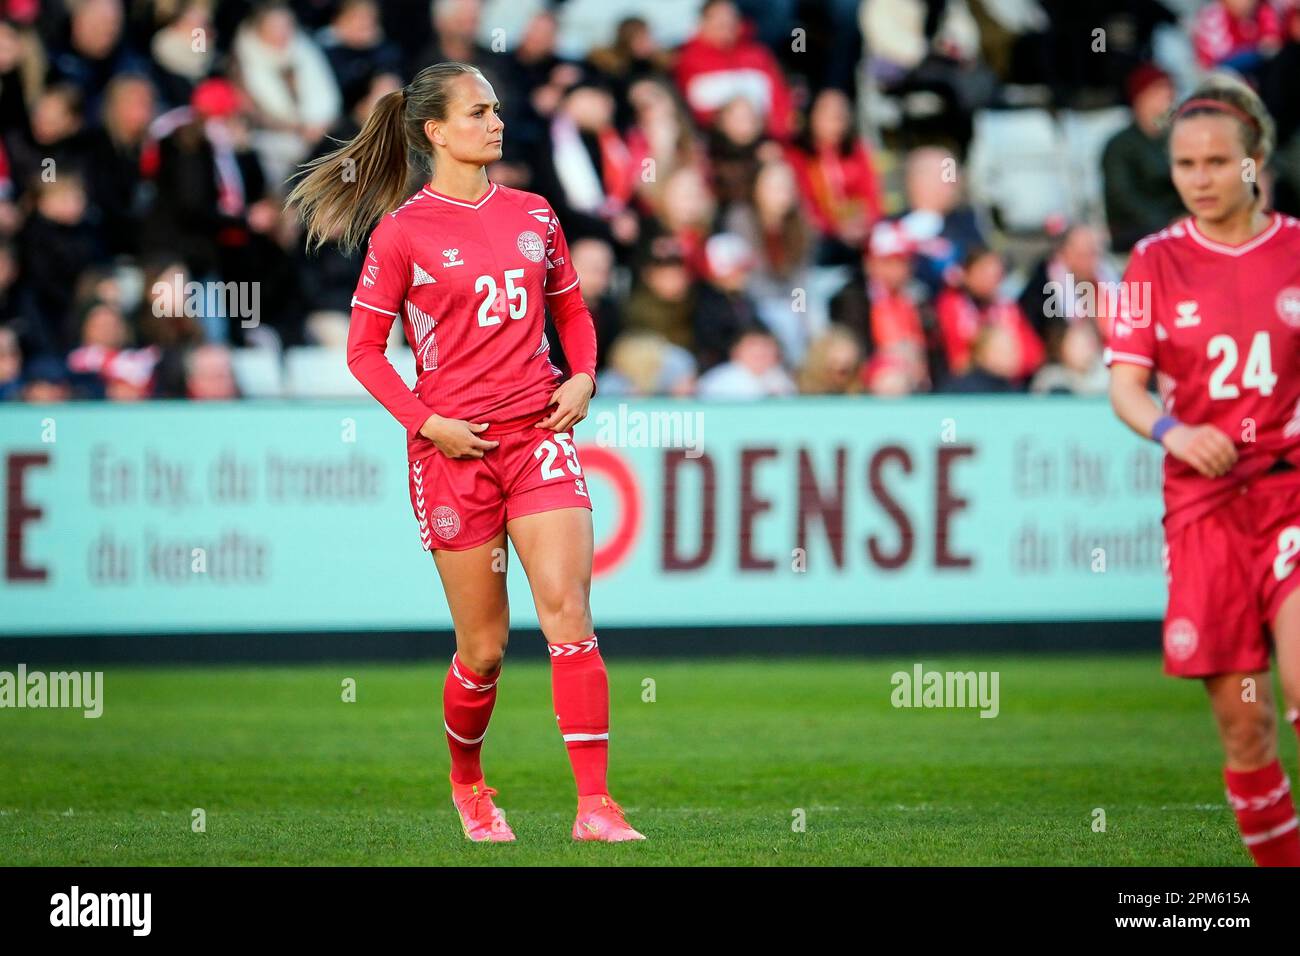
421	277
372	270
1187	316
450	255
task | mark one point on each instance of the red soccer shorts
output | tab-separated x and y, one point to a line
1229	573
460	503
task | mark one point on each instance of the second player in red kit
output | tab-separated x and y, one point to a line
1211	305
1223	335
470	268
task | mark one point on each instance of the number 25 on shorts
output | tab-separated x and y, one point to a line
547	451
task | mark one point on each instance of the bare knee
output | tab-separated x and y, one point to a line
1249	738
482	654
564	614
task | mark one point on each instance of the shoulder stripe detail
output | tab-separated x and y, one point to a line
565	289
418	196
373	308
1174	231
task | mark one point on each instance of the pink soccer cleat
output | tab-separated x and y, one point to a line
480	818
600	818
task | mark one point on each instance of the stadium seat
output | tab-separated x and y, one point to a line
1018	168
257	372
588	23
312	371
1086	134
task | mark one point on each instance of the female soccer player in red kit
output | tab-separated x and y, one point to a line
1221	330
468	267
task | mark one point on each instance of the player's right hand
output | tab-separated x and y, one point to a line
1204	447
457	438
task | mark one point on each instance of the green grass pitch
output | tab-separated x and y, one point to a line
718	769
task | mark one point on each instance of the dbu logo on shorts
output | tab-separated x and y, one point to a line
1180	639
446	523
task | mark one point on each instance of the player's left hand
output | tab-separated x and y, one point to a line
571	400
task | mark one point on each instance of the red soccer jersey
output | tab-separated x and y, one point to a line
469	282
1221	327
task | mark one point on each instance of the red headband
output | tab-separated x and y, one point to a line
1221	107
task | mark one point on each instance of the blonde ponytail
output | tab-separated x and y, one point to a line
342	194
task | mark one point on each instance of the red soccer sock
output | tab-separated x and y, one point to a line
1265	813
467	700
580	690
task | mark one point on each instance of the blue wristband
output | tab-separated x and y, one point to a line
1162	425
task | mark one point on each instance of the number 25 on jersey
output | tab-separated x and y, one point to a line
493	304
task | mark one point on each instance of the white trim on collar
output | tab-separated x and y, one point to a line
456	202
1240	250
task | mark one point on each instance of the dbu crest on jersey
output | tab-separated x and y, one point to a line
1288	306
530	244
1180	639
446	523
